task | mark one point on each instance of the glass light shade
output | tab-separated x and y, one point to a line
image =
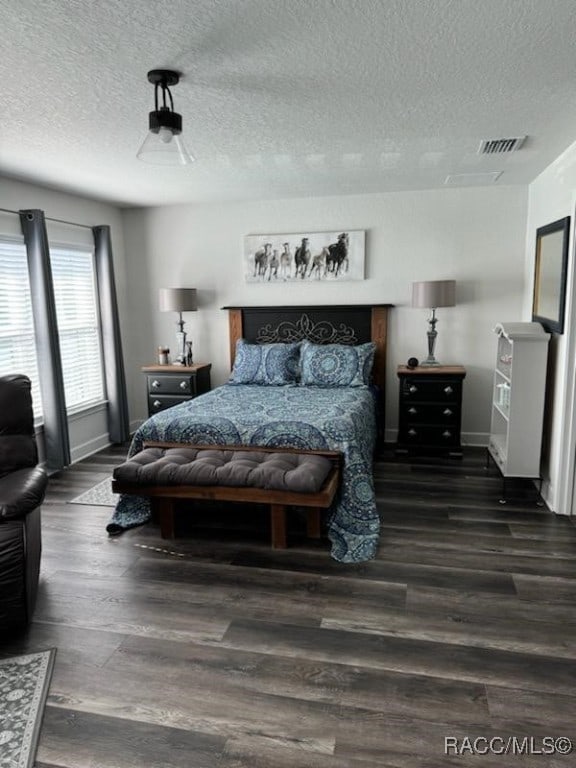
164	148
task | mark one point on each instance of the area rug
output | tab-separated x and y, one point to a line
100	495
24	683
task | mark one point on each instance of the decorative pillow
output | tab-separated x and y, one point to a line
336	365
271	364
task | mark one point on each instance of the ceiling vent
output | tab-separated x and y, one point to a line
472	179
500	146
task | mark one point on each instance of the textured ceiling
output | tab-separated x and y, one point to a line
284	98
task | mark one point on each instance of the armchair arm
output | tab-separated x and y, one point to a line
21	492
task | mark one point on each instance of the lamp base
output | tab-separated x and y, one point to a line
431	334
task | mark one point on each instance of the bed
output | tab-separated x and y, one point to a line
341	418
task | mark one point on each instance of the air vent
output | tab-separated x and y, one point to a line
472	179
500	146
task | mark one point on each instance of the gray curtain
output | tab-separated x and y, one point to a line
118	419
56	439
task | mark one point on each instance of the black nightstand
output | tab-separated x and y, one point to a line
170	385
430	409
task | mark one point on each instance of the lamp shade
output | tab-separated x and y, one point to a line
162	148
178	300
434	293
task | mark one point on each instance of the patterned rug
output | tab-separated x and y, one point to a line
100	495
24	683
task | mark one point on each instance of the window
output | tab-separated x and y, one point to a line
17	344
77	316
78	325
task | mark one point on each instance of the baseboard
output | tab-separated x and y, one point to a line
82	451
478	439
547	494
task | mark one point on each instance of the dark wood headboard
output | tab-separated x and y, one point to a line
330	324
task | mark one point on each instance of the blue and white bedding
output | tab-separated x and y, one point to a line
337	418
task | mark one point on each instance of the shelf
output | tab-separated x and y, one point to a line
506	378
519	380
504	413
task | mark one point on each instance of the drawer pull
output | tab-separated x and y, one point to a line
446	433
413	388
183	385
412	411
156	403
412	433
447	412
155	384
448	390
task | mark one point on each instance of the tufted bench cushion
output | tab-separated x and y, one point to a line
296	472
168	473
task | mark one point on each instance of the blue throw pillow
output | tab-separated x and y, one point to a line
336	365
265	364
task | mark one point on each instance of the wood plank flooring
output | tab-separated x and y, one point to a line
214	650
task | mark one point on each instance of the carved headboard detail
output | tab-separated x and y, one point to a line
343	324
321	332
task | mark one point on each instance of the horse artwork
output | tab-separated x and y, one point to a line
321	257
337	255
302	258
273	266
318	266
285	262
261	260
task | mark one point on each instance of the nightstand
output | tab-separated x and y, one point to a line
169	385
430	410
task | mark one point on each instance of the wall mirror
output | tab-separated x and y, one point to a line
550	270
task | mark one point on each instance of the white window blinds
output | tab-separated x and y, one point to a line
17	344
78	325
77	315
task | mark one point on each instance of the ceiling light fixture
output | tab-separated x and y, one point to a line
163	145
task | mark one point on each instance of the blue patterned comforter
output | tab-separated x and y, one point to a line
341	419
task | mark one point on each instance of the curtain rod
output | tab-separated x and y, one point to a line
49	218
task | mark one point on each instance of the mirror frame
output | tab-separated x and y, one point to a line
550	272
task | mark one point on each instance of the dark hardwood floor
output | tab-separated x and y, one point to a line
214	650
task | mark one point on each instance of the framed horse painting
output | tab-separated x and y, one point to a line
304	256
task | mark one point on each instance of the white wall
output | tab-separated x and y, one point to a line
552	196
475	236
88	432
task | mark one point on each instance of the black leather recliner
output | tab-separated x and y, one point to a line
22	488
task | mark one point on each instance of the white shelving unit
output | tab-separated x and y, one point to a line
518	398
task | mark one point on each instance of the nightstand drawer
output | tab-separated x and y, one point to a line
172	385
430	413
429	435
418	388
157	403
169	385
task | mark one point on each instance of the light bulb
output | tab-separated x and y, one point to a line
165	135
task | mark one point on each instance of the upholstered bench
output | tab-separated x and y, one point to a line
280	478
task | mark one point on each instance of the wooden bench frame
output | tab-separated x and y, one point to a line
163	497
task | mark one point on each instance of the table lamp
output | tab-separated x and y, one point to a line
179	300
432	294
